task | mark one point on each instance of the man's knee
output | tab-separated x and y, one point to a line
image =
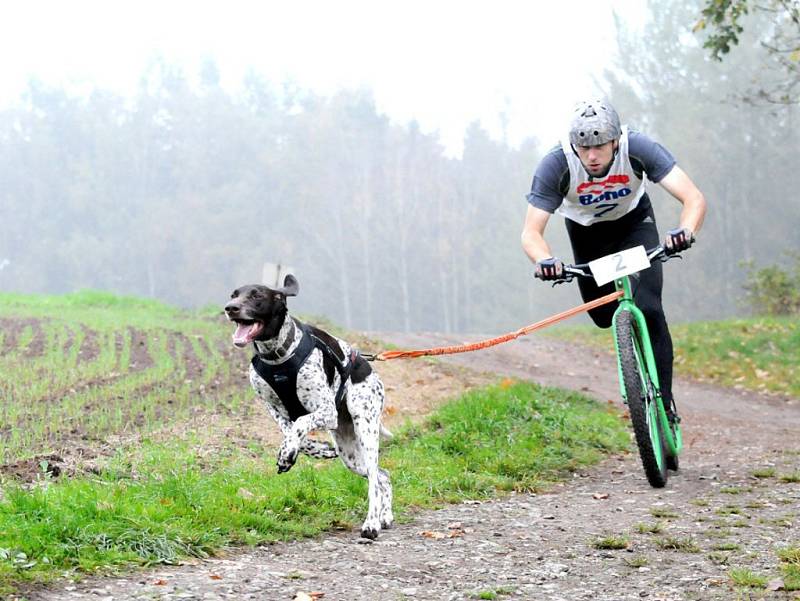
603	316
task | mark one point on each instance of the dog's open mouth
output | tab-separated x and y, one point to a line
246	332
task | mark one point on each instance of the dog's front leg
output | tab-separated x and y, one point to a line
283	422
317	397
324	417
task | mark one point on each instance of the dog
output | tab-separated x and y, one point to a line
301	392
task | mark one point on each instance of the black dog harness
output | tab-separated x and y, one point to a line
282	377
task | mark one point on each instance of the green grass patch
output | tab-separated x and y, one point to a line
733	490
654	528
760	353
637	561
612	542
793	477
493	593
767	472
672	543
726	547
790	567
663	513
163	502
729	510
747	578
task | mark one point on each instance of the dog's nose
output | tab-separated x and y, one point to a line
232	308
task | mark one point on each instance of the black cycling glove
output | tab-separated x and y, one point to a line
550	269
678	239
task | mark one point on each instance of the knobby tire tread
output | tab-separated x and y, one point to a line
657	477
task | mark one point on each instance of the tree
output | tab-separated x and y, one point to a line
664	84
781	39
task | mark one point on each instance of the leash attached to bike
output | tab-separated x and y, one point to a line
465	348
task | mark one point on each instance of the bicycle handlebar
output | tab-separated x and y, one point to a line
658	253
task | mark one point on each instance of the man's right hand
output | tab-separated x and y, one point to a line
550	269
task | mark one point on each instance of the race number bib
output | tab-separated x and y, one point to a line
609	268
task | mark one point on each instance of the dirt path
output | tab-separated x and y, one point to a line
714	516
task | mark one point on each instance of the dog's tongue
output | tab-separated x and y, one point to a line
246	333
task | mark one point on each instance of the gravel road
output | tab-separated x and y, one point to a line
714	518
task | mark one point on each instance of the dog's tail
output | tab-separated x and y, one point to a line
385	433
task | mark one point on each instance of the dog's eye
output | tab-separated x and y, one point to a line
253	294
234	294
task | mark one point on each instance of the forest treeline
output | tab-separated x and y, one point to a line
182	191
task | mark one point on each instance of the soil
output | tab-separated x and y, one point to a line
733	504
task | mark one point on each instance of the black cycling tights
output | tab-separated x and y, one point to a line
594	241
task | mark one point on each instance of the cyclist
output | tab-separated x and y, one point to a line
595	178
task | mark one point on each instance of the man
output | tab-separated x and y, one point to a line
596	180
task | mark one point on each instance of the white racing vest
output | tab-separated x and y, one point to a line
591	200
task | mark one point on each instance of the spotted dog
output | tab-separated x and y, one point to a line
310	380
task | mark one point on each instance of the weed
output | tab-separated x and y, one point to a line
730	490
747	578
767	472
649	528
661	512
637	561
719	558
671	543
726	547
612	542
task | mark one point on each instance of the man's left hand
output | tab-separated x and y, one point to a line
678	240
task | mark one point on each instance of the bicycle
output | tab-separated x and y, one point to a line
658	435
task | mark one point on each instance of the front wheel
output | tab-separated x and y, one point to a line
642	402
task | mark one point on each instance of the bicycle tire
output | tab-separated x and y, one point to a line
672	460
638	389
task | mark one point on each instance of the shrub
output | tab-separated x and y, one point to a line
774	290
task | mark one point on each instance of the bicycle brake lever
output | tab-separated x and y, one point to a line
564	280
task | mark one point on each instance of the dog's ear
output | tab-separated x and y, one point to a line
290	286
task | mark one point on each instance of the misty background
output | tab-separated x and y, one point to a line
182	189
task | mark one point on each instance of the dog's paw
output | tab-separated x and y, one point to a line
287	455
370	529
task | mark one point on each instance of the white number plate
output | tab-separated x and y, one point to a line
607	269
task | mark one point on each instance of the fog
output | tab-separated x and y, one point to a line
184	189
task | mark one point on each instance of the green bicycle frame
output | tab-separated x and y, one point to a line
645	348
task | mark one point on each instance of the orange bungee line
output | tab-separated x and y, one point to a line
464	348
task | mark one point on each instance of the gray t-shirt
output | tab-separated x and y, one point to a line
551	180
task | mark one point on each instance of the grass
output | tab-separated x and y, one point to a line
611	542
662	512
747	578
637	561
183	504
671	543
760	353
493	593
790	567
655	528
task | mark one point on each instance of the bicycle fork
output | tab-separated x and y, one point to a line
644	350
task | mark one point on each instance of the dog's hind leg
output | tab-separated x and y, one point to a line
386	516
318	448
362	459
